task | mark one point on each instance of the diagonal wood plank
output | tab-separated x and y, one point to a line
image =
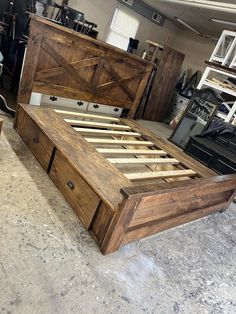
57	71
97	75
117	83
64	63
116	77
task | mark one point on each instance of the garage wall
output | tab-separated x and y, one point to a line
101	12
196	49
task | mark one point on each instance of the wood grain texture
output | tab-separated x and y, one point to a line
145	231
77	192
117	151
68	64
38	143
101	222
118	142
86	115
159	174
168	205
97	132
143	161
100	175
115	210
164	84
97	124
172	150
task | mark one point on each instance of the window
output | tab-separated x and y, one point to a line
124	25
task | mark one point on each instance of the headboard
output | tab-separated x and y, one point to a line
65	63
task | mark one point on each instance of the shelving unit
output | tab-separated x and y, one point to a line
222	64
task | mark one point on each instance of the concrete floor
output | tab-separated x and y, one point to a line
50	264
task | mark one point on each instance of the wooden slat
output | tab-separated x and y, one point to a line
97	124
86	115
160	174
116	151
118	142
100	174
106	132
174	152
143	161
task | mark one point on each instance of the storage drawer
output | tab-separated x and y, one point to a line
223	167
37	142
198	153
76	191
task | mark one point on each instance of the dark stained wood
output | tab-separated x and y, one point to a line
172	150
30	64
37	142
164	84
149	209
75	190
101	222
198	194
1	124
140	91
119	225
64	64
54	72
68	64
145	231
110	206
100	175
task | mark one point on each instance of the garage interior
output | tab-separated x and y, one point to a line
118	132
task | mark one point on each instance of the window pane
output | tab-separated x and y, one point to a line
118	40
125	23
124	26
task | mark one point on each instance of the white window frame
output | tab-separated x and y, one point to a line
118	31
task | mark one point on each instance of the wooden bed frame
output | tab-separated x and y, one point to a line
124	182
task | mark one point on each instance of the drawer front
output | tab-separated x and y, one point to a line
76	191
223	167
37	142
199	154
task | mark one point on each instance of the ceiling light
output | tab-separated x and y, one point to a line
223	22
210	5
187	26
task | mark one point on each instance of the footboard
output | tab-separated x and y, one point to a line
148	210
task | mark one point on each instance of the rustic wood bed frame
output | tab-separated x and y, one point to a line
124	182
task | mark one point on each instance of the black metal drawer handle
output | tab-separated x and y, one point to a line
36	140
71	185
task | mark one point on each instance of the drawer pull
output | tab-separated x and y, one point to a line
35	140
71	185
